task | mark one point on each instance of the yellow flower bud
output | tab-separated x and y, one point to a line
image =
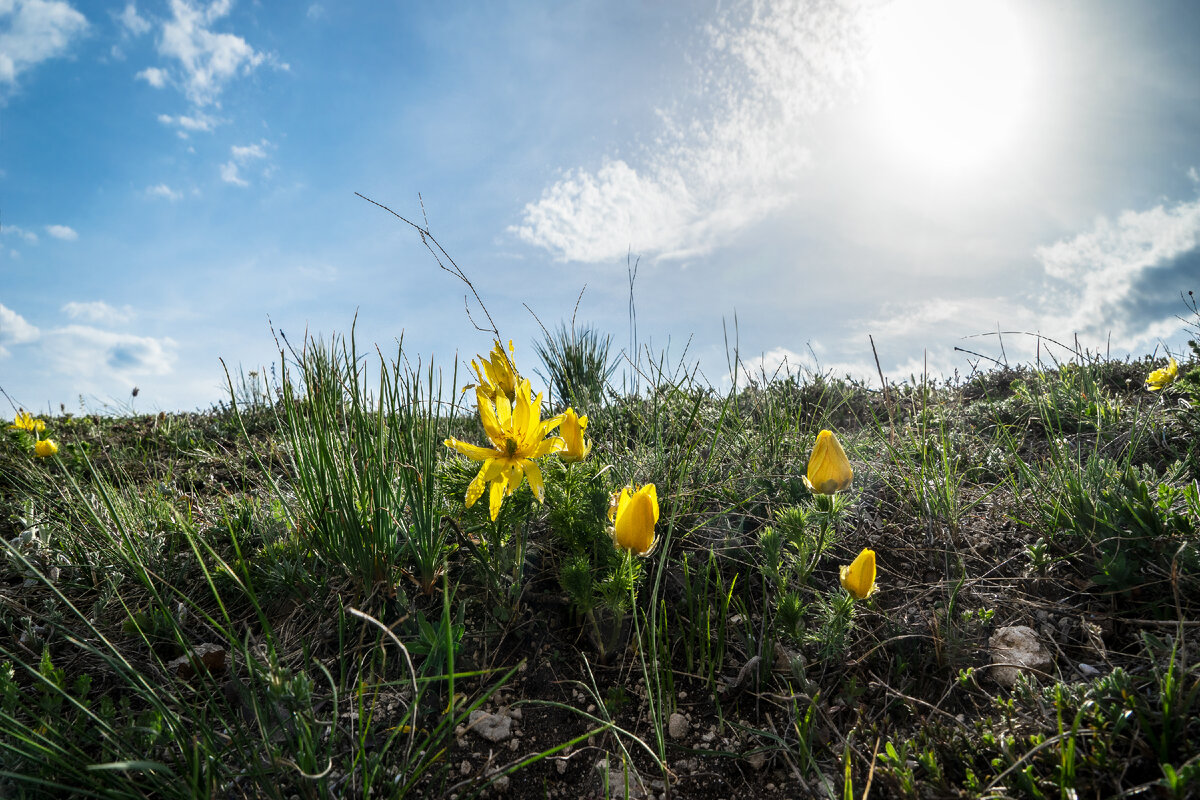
1162	378
635	518
829	470
571	430
859	578
45	448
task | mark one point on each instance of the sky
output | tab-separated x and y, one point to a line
178	179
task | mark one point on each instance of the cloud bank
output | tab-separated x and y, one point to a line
33	31
732	153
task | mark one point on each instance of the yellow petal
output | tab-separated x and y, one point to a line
496	496
472	451
534	474
859	578
485	474
44	448
504	412
487	416
829	470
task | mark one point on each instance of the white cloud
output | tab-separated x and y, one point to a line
230	174
206	59
87	353
132	21
241	156
248	153
14	329
164	191
1116	285
67	234
734	154
1106	273
13	230
191	122
98	311
153	76
32	31
315	11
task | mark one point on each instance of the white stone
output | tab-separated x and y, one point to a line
1016	647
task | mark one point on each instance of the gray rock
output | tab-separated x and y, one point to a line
616	776
1013	648
678	725
493	727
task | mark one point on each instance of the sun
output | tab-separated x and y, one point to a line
950	82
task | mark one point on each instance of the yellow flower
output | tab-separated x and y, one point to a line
497	374
1162	378
575	447
45	448
518	436
26	422
829	470
636	514
859	578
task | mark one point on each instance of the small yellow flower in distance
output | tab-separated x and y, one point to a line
1162	378
859	578
829	470
572	429
45	448
635	518
497	374
26	422
518	436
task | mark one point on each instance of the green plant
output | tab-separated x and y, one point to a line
577	364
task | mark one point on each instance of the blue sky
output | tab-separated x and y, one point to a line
175	173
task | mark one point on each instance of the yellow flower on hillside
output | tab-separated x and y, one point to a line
26	422
859	578
573	427
829	470
1162	378
44	448
497	374
634	516
518	436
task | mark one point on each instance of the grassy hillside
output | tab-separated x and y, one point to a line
288	596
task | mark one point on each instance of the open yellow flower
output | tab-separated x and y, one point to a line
829	470
575	447
859	578
1162	378
44	448
26	422
497	374
635	515
518	436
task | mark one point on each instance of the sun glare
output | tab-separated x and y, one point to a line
950	81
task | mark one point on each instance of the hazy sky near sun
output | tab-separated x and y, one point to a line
176	175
